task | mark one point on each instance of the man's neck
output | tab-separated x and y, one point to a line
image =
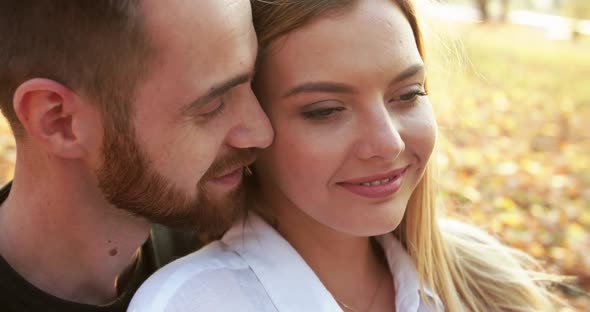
64	238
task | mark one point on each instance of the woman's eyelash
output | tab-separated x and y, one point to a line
410	96
325	113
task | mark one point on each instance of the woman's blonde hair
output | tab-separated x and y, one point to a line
464	266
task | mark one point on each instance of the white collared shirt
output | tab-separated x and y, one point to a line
253	268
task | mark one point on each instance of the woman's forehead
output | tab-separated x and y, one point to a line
373	38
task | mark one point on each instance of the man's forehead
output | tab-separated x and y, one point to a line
199	44
199	10
200	19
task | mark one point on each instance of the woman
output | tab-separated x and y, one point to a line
342	212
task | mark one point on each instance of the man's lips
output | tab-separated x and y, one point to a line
233	171
376	186
233	177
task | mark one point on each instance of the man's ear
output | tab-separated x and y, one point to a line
52	114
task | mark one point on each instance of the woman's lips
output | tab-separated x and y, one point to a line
376	186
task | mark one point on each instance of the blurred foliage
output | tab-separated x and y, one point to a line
573	8
7	152
576	8
514	148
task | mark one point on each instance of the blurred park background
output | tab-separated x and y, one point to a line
510	83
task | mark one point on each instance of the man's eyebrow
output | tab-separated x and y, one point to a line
217	90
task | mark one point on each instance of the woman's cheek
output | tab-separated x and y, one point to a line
426	132
419	132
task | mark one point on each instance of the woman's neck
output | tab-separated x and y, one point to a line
351	268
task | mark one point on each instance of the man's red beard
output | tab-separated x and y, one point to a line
130	183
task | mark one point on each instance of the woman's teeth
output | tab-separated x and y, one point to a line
377	182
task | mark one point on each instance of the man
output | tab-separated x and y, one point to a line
123	111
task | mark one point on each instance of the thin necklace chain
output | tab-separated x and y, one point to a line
349	308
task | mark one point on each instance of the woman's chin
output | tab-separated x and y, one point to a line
364	227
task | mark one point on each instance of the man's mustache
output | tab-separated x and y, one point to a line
238	158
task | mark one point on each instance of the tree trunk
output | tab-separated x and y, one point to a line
505	10
482	6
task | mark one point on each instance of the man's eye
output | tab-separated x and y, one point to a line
322	113
213	108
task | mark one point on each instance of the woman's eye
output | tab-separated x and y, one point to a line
409	97
322	113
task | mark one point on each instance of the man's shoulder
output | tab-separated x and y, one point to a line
4	191
165	245
203	276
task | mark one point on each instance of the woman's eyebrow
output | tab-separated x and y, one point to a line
411	71
335	87
320	86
